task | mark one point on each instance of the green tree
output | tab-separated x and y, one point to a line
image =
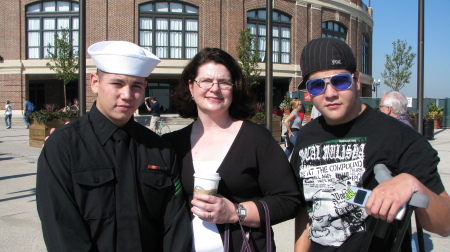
64	58
248	56
397	67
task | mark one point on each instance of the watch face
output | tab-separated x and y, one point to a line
242	212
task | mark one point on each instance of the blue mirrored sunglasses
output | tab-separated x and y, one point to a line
341	81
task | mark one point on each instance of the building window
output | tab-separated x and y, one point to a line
169	29
281	34
365	55
333	30
44	20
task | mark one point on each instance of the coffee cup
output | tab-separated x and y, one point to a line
206	183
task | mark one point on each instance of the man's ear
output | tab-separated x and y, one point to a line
95	81
389	110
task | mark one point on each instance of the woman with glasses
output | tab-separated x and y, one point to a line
213	91
293	124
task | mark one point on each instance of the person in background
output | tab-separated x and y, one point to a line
154	109
68	107
105	182
214	92
302	112
341	148
27	105
395	104
8	114
293	124
75	105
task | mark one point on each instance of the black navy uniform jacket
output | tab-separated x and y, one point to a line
78	193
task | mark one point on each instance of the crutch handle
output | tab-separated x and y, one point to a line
419	200
382	173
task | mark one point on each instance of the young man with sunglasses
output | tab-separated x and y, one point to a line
340	149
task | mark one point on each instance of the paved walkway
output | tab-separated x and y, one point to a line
20	228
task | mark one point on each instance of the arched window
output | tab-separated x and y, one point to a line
332	29
365	55
281	34
45	19
169	29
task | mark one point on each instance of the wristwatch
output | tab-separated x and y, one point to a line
241	212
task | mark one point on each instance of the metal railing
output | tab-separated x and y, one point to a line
375	102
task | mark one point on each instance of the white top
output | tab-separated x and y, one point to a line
8	109
207	166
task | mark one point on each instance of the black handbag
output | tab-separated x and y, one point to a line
245	236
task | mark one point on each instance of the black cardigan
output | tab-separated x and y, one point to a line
254	168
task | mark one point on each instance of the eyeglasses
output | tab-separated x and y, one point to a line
207	84
382	106
341	81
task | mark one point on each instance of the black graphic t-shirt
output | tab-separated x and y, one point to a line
327	169
328	159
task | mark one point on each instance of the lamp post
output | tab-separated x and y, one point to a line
375	86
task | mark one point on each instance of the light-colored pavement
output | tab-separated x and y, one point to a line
20	228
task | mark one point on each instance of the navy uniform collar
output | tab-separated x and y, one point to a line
104	128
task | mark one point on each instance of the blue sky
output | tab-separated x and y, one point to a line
398	19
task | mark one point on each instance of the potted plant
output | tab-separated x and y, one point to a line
260	118
260	115
43	120
412	119
285	105
436	113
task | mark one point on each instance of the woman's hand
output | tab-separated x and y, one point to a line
215	209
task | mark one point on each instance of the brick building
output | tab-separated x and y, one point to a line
174	31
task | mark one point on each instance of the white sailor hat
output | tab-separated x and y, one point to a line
122	57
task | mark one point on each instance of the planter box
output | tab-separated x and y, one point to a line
39	131
276	126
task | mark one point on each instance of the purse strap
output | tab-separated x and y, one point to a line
226	245
268	231
245	235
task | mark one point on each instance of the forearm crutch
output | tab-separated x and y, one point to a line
418	200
